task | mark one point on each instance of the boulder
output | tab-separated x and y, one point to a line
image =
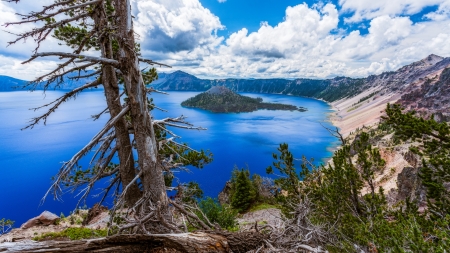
94	213
46	218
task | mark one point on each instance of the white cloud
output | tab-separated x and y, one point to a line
307	43
13	55
369	9
221	1
176	25
10	66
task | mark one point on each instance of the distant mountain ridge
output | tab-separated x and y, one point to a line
396	84
8	83
13	84
421	86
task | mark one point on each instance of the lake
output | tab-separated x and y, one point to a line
29	158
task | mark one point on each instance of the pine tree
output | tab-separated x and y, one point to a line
434	148
243	191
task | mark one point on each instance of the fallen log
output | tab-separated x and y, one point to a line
186	243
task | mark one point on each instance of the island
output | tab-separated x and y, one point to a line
220	99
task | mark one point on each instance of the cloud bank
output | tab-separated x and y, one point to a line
309	42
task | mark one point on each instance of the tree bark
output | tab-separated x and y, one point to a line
152	177
112	94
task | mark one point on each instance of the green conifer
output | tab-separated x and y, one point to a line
244	193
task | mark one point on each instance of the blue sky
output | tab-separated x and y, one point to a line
268	38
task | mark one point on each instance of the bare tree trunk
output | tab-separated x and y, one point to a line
152	176
112	94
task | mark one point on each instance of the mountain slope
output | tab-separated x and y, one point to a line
69	83
9	83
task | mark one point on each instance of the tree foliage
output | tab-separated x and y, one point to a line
433	145
243	191
222	215
345	201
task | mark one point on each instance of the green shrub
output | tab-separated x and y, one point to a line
73	234
225	216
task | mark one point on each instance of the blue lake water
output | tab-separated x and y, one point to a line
29	158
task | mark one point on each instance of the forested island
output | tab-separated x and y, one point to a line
220	99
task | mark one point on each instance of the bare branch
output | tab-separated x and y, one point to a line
42	15
58	102
67	167
153	62
60	76
39	31
74	56
85	76
151	89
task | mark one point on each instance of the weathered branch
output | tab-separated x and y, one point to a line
39	31
189	214
60	76
74	56
58	102
67	167
86	76
153	62
42	15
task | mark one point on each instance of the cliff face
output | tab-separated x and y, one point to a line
430	94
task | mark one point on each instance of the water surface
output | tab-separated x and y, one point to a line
29	158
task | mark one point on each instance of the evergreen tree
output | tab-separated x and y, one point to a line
434	148
243	191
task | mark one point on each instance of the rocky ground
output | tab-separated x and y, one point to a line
48	222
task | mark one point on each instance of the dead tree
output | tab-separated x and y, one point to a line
106	26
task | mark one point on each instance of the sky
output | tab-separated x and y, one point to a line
263	38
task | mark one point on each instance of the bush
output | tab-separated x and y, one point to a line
216	213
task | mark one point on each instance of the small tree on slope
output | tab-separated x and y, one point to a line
244	192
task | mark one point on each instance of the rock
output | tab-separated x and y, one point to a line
94	213
46	218
270	216
224	195
410	186
412	159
